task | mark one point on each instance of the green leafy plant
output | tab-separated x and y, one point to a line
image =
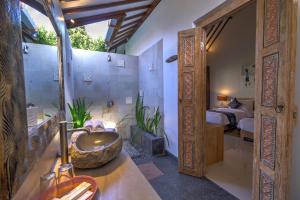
146	122
81	40
79	112
78	36
46	37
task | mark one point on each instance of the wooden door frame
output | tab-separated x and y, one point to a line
225	9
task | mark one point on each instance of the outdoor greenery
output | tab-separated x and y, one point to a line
150	124
46	37
79	112
81	40
78	36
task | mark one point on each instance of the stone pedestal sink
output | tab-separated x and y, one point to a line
94	150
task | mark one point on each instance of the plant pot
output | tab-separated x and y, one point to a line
136	135
152	144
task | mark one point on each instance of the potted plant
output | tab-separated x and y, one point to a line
148	132
79	112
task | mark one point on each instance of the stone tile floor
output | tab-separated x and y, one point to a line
175	186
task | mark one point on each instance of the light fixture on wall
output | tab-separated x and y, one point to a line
108	58
25	48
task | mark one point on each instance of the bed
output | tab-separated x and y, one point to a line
229	117
246	126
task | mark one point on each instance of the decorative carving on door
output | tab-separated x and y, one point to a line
270	80
268	141
266	187
188	85
188	121
271	22
189	152
191	77
189	51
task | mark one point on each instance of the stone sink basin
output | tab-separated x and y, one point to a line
94	150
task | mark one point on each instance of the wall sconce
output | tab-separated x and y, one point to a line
108	58
25	49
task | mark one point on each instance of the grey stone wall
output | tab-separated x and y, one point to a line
151	76
99	81
41	78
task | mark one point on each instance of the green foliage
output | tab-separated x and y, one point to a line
46	37
146	122
78	36
81	40
79	112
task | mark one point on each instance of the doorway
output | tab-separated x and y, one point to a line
231	57
275	65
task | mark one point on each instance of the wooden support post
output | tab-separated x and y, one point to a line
13	127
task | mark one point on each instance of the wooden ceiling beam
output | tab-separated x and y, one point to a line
117	44
93	19
135	16
148	12
116	40
74	10
121	35
36	5
119	11
136	27
125	30
131	23
117	27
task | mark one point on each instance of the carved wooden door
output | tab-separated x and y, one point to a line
275	66
192	101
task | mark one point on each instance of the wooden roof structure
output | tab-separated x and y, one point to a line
125	16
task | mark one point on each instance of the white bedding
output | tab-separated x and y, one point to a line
219	118
247	124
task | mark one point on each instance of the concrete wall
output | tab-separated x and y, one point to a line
41	86
151	76
234	48
168	18
108	82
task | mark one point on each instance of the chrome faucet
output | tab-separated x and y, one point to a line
63	133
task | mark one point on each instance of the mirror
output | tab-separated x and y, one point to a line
40	67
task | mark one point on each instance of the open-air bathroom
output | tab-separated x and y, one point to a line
149	100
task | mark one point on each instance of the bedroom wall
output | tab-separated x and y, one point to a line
167	19
234	48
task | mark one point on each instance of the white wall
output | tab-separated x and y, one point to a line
168	18
234	48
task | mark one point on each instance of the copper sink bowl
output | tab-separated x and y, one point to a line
65	187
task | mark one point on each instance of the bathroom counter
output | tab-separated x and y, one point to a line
121	180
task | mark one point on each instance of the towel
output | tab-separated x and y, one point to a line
97	124
89	124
